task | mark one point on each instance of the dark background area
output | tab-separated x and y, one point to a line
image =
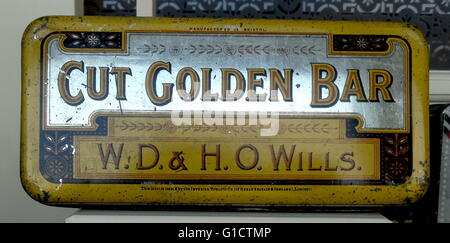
431	17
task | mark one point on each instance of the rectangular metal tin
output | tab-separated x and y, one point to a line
129	144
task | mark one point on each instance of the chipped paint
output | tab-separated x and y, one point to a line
60	184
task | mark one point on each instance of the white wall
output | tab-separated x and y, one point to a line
15	204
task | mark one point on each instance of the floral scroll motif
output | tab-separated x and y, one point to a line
102	40
169	127
397	148
245	49
57	152
359	43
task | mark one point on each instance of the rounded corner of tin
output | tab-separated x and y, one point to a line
33	190
415	37
38	29
415	31
35	26
415	189
414	197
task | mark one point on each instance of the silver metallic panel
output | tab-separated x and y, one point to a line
213	51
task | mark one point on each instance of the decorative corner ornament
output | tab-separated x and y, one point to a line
143	111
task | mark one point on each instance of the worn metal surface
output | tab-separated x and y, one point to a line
141	111
207	51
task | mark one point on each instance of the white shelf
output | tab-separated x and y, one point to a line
439	87
106	216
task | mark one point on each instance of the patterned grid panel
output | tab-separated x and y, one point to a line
110	7
430	16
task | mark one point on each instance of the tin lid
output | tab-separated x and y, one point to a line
153	111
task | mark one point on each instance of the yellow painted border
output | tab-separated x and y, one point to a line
67	194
